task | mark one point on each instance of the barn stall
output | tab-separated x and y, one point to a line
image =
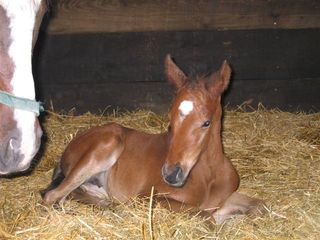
107	57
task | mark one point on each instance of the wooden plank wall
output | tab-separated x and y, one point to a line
74	16
95	54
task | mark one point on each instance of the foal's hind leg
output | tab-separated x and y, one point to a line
91	194
238	204
57	178
88	166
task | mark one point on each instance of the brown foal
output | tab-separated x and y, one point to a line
186	165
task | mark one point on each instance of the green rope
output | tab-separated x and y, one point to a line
21	103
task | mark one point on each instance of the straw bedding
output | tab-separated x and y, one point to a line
277	155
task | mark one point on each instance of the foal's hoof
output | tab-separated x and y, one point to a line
49	198
239	204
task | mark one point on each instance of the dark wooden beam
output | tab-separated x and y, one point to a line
74	16
139	57
279	68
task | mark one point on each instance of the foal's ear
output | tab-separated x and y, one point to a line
174	74
219	81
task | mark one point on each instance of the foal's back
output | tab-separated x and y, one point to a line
138	167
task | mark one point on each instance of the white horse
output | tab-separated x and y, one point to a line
20	132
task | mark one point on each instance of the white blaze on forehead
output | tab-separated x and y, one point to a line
22	15
186	107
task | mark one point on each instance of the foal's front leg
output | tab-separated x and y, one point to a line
239	204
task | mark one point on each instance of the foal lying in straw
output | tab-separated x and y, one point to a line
186	165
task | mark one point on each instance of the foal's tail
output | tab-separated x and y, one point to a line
57	178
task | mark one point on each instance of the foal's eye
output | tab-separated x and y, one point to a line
206	124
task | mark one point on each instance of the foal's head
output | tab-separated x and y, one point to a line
194	113
20	132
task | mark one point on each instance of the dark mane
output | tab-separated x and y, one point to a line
194	81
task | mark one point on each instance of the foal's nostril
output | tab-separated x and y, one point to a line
173	176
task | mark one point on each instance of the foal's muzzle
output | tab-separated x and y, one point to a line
173	175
